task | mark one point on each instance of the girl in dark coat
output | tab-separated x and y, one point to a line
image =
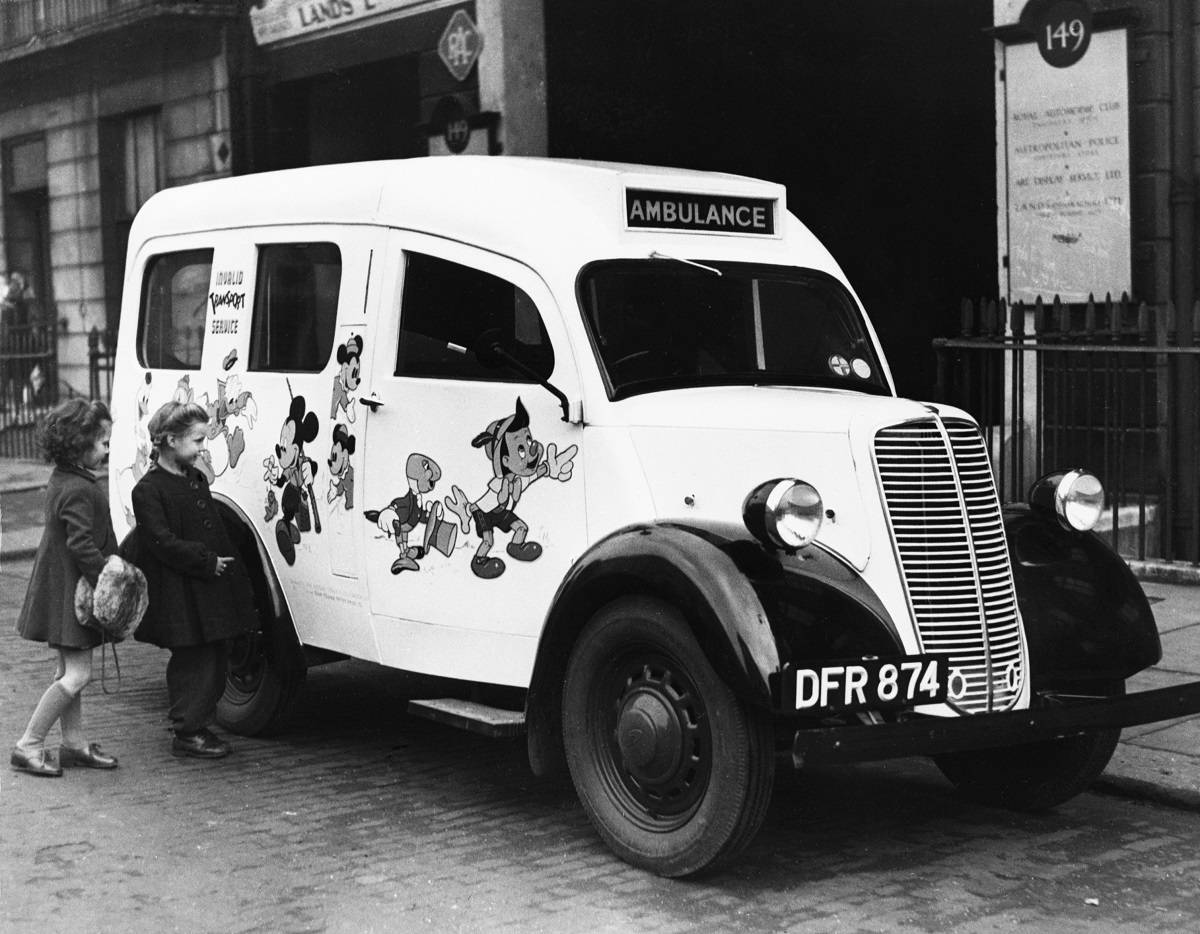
200	595
76	539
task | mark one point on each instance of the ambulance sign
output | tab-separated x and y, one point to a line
673	210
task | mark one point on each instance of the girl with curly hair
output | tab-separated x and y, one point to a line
76	539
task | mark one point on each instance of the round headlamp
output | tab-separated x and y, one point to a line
784	513
1076	498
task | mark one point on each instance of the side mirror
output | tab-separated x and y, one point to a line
491	353
489	350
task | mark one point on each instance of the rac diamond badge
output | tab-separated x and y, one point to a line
460	45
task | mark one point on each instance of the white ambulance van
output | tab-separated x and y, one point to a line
615	450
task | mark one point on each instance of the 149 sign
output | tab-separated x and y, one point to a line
1063	32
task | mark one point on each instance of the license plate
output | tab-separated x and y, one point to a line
867	684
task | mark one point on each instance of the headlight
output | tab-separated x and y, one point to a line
1076	498
783	513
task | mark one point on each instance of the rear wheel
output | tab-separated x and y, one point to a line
674	771
261	686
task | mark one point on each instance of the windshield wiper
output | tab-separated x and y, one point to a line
655	254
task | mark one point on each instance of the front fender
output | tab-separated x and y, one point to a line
1086	617
753	611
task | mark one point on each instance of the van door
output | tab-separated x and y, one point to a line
474	498
310	322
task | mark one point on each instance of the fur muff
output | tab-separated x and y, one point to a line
119	601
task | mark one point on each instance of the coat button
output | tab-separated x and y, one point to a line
201	504
207	524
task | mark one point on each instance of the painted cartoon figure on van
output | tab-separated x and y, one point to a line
404	513
517	461
127	477
346	380
293	472
230	416
341	471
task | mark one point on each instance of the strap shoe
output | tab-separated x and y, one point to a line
35	762
89	758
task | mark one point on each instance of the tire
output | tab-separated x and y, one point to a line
673	770
261	686
1036	776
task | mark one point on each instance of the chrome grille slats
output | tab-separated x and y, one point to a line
945	519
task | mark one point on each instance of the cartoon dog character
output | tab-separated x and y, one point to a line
341	471
517	461
294	472
346	380
405	513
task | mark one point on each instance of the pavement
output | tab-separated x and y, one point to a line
1157	762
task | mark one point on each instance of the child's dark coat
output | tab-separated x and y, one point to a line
179	536
76	539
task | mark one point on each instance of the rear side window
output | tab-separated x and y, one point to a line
448	307
295	306
174	300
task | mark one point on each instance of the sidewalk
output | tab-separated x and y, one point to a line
1158	762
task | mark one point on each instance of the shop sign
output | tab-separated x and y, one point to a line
460	45
673	210
279	20
1067	161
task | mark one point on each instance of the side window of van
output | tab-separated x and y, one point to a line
295	306
174	300
447	307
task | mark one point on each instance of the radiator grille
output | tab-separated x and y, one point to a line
949	536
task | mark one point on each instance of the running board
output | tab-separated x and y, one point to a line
495	722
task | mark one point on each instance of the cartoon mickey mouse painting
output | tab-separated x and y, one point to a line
346	380
341	471
517	461
290	469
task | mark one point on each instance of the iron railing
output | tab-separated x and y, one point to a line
1104	385
102	354
28	384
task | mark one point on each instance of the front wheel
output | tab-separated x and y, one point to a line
1031	777
261	686
673	770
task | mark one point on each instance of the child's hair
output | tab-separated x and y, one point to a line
70	428
173	418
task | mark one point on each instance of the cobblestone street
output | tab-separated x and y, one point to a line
361	819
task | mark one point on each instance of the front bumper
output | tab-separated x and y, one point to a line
929	736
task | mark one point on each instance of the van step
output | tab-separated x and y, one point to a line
469	715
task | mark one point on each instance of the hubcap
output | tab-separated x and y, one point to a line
650	736
658	751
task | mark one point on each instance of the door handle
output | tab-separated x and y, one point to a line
372	403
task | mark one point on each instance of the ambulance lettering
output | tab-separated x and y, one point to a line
517	461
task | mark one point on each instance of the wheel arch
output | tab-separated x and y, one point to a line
263	578
673	563
753	611
1086	617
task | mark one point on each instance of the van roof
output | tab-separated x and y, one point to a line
506	204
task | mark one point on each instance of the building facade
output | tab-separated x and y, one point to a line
880	117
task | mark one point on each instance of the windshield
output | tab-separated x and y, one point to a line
669	323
